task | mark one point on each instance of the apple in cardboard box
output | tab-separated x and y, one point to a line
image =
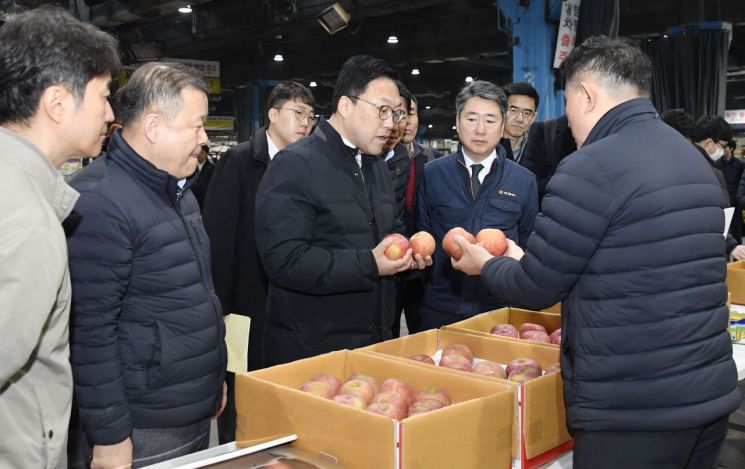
358	387
458	349
488	368
398	248
386	410
434	394
523	374
393	398
401	387
422	407
555	337
493	240
369	379
333	381
350	400
536	336
423	358
522	363
505	330
451	247
556	367
529	326
422	243
456	362
318	388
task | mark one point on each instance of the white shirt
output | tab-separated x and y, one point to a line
488	162
389	155
358	156
273	150
200	164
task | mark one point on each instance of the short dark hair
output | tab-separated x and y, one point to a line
46	47
356	73
679	120
407	95
481	89
290	91
713	127
732	145
156	86
523	89
616	62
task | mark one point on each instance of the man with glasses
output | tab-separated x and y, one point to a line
322	210
229	217
475	188
522	103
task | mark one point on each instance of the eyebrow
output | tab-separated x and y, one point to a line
473	113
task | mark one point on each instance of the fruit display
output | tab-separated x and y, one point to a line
398	248
488	368
528	331
493	240
420	357
422	243
451	247
506	330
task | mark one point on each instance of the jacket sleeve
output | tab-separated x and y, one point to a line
421	211
528	214
741	191
576	213
286	205
100	252
221	214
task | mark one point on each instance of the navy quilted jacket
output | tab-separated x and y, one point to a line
147	331
630	239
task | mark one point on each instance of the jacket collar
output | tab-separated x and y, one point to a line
328	134
626	113
261	146
501	155
61	197
141	169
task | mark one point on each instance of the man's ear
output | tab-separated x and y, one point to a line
273	115
151	127
56	103
591	94
344	108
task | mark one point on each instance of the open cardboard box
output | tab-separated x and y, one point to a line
736	282
474	432
481	324
541	433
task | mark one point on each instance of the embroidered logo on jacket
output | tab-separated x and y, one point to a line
506	193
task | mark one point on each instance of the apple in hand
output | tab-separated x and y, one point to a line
451	247
536	336
422	407
456	362
333	381
493	240
458	349
401	387
369	379
523	374
423	358
398	248
318	388
505	330
488	368
360	388
386	410
529	326
555	337
433	394
522	363
422	243
350	400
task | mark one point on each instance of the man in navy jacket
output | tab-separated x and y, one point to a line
630	240
504	196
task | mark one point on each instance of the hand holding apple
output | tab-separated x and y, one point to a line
387	266
451	247
422	243
397	249
493	240
473	258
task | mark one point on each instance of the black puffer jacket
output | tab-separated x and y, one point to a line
630	239
147	331
398	165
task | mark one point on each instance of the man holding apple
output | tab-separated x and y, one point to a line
630	240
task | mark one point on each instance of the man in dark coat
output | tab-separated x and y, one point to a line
630	240
322	210
229	218
205	168
147	333
550	142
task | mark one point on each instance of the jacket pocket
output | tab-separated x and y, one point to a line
40	414
501	213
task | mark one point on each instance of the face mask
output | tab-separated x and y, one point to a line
717	154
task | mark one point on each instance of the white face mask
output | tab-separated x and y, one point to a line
717	153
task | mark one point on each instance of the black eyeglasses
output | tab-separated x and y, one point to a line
384	111
301	115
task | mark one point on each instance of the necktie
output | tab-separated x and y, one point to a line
475	183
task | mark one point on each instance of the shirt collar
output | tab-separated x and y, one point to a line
271	146
488	161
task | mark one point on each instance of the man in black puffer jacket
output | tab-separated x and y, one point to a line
147	335
630	240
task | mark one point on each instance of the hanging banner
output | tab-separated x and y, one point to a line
736	116
567	31
209	70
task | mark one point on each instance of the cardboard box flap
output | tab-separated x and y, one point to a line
736	282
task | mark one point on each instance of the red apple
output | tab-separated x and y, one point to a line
555	337
522	363
433	394
422	407
451	247
318	388
393	398
372	381
423	358
398	248
458	349
386	410
422	243
529	326
357	387
488	368
521	375
350	400
536	336
333	381
493	240
401	387
556	367
456	362
505	330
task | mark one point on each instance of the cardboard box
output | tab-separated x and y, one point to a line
736	282
481	324
541	432
475	431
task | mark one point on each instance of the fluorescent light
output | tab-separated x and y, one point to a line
313	84
278	58
453	127
186	9
392	40
469	79
429	126
427	107
415	71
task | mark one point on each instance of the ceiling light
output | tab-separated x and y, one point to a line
186	9
429	126
469	79
453	127
392	40
278	58
313	84
427	107
415	71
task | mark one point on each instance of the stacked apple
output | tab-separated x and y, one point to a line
394	398
421	243
491	239
528	331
